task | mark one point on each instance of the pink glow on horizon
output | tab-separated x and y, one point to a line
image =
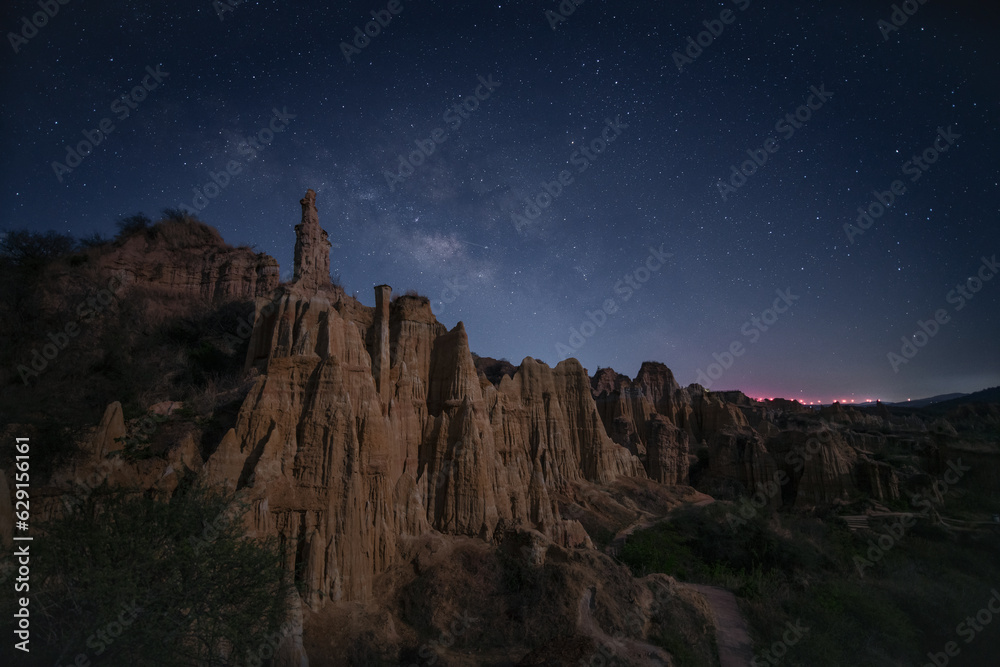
812	400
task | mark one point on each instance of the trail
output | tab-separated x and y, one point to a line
731	635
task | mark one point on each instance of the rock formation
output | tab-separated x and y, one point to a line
372	439
178	261
370	425
739	443
312	249
380	334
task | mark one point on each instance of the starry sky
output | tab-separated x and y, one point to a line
647	243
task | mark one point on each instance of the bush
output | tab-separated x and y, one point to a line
176	215
93	241
133	580
27	248
133	224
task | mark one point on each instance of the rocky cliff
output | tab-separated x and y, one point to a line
181	260
368	426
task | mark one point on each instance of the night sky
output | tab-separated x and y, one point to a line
643	140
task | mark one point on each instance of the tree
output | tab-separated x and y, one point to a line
25	247
92	241
176	214
133	224
128	579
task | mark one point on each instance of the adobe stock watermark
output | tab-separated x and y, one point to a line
453	115
562	13
29	28
915	167
752	329
122	107
787	126
625	287
461	456
611	653
222	6
770	489
704	39
760	499
454	287
582	159
251	146
73	501
381	18
897	530
269	647
794	632
968	629
59	340
900	15
927	329
428	653
245	325
101	640
211	530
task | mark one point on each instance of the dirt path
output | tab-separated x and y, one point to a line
735	647
732	637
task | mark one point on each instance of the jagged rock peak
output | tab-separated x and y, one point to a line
312	248
606	380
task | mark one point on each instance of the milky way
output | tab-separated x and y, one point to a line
795	202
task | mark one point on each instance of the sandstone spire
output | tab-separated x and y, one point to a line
312	249
380	355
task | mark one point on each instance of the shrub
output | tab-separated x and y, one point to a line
176	215
133	224
133	580
27	248
92	241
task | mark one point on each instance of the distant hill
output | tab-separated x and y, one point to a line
924	402
991	395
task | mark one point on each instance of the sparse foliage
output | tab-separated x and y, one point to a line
24	247
133	224
92	241
193	588
175	214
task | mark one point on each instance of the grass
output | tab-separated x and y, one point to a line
796	568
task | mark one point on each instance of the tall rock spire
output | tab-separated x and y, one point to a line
312	248
380	356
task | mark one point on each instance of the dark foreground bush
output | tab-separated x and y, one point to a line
130	580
